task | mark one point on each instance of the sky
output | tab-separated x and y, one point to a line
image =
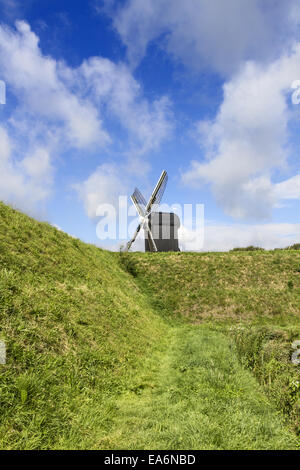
102	95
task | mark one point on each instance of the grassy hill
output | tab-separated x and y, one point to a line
75	325
167	351
253	297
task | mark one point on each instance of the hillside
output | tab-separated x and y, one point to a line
144	350
75	325
251	296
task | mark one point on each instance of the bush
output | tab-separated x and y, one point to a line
248	248
267	352
296	246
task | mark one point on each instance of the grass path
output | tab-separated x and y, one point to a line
194	394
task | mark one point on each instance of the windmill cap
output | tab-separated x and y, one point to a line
164	218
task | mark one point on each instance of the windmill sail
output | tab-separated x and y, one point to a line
139	198
134	237
161	190
158	191
144	209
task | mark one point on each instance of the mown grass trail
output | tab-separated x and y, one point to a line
194	394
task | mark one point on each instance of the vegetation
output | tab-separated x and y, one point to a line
251	296
296	246
248	248
75	325
142	350
194	394
127	263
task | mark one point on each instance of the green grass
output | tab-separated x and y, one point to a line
257	287
144	350
75	325
251	296
195	394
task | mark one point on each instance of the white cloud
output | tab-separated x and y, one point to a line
61	108
26	182
48	117
5	146
114	86
102	187
38	81
248	139
37	165
289	189
219	34
227	237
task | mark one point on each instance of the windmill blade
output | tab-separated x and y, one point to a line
158	191
128	246
161	190
150	238
151	241
140	198
140	209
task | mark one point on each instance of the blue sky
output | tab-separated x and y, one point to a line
103	95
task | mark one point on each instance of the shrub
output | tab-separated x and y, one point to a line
267	352
248	248
296	246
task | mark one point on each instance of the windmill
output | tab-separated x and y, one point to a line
146	214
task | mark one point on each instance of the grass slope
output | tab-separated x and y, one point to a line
254	287
100	353
75	326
